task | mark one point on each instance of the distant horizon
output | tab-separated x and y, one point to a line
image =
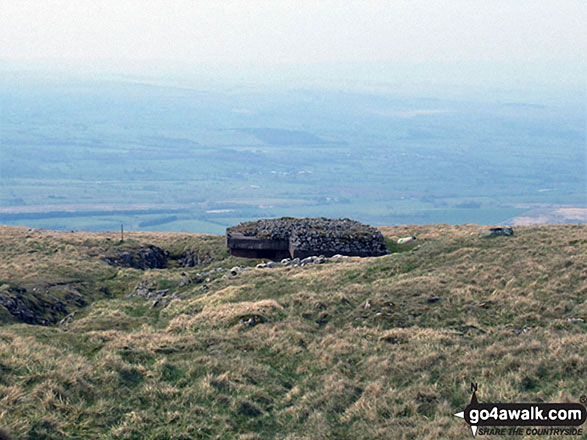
464	80
416	44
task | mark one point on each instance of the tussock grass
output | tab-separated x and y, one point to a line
359	348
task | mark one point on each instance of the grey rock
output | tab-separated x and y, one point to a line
161	293
186	281
159	303
191	258
498	232
143	257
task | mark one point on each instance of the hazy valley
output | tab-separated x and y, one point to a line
93	154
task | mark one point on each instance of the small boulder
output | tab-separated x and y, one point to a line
252	320
235	271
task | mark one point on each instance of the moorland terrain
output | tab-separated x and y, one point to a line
164	336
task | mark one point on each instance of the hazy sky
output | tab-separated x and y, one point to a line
298	32
295	31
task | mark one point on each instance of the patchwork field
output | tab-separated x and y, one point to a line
91	155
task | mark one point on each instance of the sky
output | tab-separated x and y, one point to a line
531	35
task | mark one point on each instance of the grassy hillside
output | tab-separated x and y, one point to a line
353	348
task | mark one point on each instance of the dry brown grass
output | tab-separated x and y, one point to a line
361	348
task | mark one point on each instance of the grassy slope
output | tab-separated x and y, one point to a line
360	349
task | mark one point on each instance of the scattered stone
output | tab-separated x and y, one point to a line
572	320
393	339
260	266
286	261
323	319
185	281
525	329
433	299
235	271
238	269
159	303
270	265
498	232
204	287
367	304
161	293
191	258
338	258
252	320
67	320
143	289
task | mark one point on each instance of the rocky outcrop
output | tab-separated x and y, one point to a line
498	232
32	308
301	238
143	257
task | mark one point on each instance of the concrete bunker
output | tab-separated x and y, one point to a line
289	237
